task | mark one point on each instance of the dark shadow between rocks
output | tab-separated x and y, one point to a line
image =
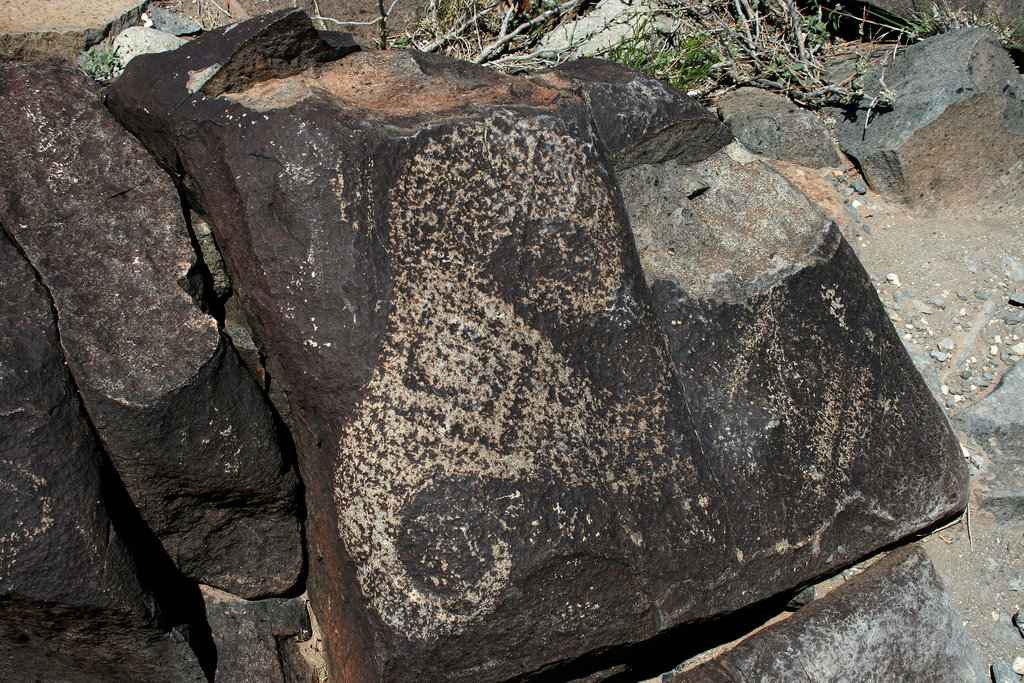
179	600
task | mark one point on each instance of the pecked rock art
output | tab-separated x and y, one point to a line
510	459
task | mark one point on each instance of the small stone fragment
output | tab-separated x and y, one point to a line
1017	298
947	345
940	356
859	186
1002	673
1013	581
938	301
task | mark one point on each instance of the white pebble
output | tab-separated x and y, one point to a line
1018	349
944	389
993	350
893	278
1018	666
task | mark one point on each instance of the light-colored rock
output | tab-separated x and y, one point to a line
138	40
592	35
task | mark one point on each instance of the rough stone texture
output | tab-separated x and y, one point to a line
823	435
172	23
137	40
191	436
60	28
996	423
955	132
1004	12
608	23
894	622
71	604
772	126
640	120
404	14
502	472
248	633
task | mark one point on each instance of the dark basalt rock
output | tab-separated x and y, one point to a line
996	423
71	603
894	622
772	126
250	633
943	125
502	469
825	437
640	120
191	436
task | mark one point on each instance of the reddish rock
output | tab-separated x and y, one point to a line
71	603
61	28
191	436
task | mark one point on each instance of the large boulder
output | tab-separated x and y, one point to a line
943	126
502	469
821	429
894	622
61	28
72	606
190	434
996	424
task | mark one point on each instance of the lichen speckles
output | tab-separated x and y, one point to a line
23	491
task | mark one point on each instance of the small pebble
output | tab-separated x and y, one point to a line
847	191
1014	318
852	210
1006	355
908	293
1013	581
1018	665
962	295
993	350
965	373
947	345
1018	349
897	296
1017	298
866	228
859	186
938	301
893	278
922	308
940	356
981	294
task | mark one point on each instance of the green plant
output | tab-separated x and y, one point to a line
684	63
102	65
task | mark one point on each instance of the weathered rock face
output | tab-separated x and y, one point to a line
640	120
894	622
952	130
502	468
818	427
996	423
71	604
772	126
191	436
1006	12
250	633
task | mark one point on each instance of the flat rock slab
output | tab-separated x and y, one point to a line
71	603
947	129
894	622
191	436
502	471
770	125
60	28
996	423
